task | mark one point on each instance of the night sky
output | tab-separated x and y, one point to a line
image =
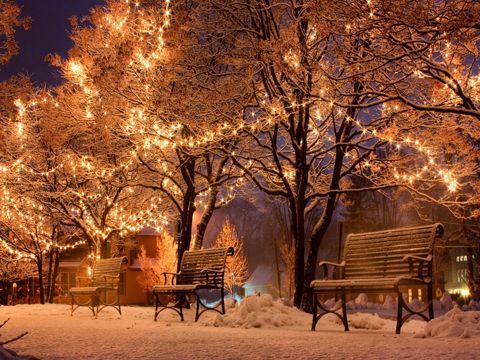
49	34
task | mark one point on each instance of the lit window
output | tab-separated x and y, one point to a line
420	294
458	258
410	295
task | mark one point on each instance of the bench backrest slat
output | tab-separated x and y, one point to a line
195	261
380	253
105	267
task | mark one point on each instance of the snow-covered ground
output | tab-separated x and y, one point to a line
259	328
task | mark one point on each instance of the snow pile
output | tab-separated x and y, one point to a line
366	321
261	312
360	302
446	301
472	305
455	323
390	303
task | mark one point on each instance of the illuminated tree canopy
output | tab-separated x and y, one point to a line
168	108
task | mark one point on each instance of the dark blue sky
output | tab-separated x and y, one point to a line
49	34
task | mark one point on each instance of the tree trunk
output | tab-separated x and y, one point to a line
50	268
54	277
206	216
186	222
299	241
40	279
317	236
276	248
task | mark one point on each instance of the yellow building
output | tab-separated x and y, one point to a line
131	289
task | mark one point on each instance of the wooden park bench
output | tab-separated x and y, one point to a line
199	270
93	291
381	262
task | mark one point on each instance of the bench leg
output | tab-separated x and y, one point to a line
430	299
222	294
95	301
344	311
411	312
75	304
197	310
318	304
314	312
180	307
399	312
177	307
118	302
199	303
156	307
103	304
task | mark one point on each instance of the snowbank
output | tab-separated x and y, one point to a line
264	312
446	301
261	312
455	323
366	321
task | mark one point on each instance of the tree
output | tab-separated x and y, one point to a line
319	114
10	20
165	260
136	79
237	266
26	234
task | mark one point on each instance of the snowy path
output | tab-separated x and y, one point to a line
54	334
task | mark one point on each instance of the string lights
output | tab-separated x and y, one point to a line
151	134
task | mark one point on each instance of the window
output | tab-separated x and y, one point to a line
410	295
66	280
462	275
420	294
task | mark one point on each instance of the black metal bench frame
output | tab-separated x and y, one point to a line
199	270
105	279
398	261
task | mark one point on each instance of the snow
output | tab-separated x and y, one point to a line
446	301
390	303
261	312
366	321
455	323
258	328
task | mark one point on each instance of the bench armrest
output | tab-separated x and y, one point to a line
325	264
218	275
419	258
173	274
422	261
